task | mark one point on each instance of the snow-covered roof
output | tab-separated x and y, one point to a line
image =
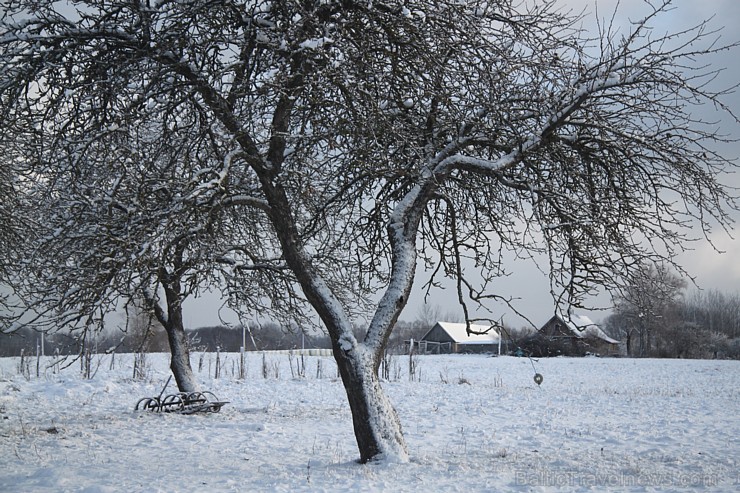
458	333
582	327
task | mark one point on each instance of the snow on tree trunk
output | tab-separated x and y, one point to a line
180	361
376	425
178	340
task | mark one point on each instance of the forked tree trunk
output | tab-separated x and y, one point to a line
376	424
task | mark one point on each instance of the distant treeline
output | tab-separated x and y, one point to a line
221	338
28	341
266	337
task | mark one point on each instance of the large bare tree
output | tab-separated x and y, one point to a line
371	136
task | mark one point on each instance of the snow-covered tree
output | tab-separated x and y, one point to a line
125	188
360	138
128	214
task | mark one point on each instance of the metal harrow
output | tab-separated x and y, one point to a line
181	402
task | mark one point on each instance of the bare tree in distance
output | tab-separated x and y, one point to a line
428	315
715	310
648	305
655	318
146	334
368	136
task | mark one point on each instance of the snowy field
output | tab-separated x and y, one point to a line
472	423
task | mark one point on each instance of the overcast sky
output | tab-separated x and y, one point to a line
711	269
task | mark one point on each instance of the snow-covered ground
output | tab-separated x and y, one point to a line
472	423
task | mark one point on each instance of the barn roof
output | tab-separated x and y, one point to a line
581	326
458	333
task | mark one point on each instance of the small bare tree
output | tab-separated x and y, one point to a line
143	330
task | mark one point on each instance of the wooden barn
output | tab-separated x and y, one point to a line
449	337
578	335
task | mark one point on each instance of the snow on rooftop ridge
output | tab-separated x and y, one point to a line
582	326
458	332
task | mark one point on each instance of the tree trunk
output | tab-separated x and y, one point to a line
180	358
376	424
180	354
178	340
643	341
